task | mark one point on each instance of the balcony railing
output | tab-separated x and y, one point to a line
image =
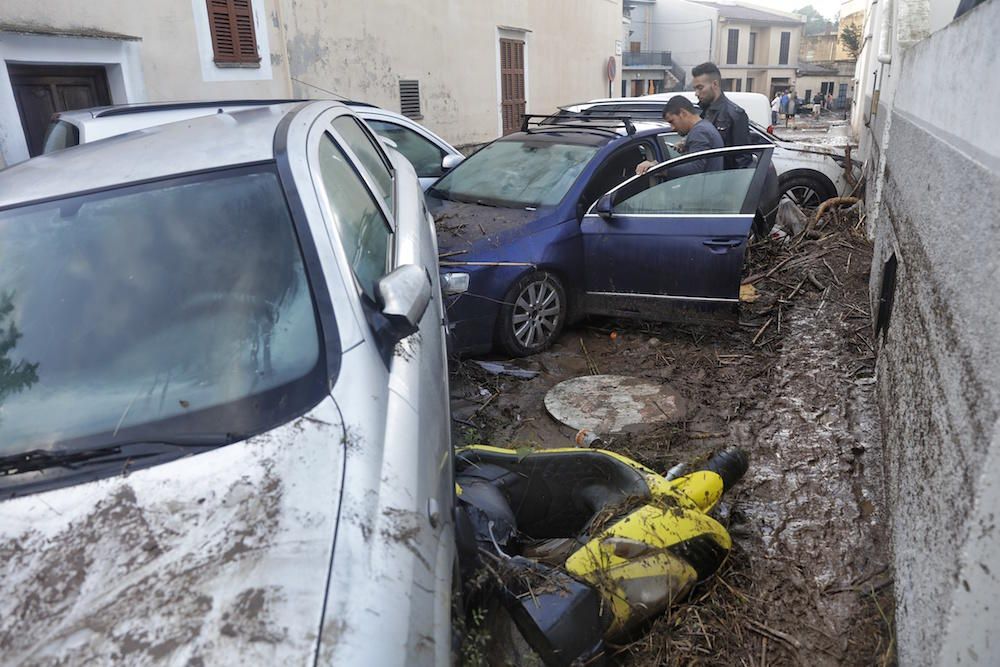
647	59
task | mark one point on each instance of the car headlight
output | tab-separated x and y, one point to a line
454	283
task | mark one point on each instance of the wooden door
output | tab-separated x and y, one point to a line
512	93
42	90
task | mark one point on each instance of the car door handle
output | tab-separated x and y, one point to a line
723	243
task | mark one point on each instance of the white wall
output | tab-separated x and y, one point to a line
170	57
362	50
121	59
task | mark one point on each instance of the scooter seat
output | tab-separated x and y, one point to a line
558	493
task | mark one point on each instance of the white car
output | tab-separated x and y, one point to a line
224	418
807	173
430	155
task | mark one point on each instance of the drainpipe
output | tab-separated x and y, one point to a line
885	33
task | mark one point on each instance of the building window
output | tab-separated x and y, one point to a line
749	85
733	46
809	95
409	98
512	94
786	39
233	39
753	48
728	85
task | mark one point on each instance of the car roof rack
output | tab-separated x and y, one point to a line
149	107
610	123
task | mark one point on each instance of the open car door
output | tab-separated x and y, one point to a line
669	245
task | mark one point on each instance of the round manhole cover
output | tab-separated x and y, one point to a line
613	403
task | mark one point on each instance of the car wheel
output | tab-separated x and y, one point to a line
533	314
805	191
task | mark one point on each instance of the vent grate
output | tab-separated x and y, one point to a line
409	98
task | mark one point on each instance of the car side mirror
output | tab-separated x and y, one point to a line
403	296
449	162
604	207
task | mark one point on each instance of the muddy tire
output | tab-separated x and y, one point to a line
805	191
533	314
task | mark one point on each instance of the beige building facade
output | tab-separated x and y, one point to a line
455	66
756	49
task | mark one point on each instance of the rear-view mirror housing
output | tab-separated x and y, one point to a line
403	297
604	206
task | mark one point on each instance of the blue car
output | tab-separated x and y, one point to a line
549	224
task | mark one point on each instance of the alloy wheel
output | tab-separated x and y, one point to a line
537	310
803	196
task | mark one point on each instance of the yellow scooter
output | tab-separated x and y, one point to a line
588	544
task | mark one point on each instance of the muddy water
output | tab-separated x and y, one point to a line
806	582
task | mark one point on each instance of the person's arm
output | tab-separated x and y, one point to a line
740	129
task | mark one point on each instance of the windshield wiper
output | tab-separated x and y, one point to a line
43	459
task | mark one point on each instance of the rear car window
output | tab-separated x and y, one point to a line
61	135
423	155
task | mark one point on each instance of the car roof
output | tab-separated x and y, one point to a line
757	106
197	144
575	131
193	105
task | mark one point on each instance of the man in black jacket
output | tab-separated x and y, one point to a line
728	117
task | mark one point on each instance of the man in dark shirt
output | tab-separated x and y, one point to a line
728	117
699	135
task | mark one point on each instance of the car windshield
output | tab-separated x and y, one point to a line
158	311
517	173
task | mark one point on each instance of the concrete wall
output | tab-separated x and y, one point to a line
934	182
362	50
169	57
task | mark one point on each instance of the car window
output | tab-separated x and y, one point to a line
617	168
363	145
720	191
361	228
61	135
517	173
423	155
668	143
154	312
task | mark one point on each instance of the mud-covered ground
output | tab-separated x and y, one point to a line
807	581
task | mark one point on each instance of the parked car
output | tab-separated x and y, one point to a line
430	155
808	174
757	106
224	423
549	223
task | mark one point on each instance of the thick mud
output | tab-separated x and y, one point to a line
807	581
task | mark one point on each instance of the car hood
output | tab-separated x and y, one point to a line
818	149
219	558
463	227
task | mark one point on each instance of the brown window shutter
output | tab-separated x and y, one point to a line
512	93
233	37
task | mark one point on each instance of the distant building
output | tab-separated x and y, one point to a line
468	70
756	49
825	65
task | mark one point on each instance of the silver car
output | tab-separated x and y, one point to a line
223	411
430	155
